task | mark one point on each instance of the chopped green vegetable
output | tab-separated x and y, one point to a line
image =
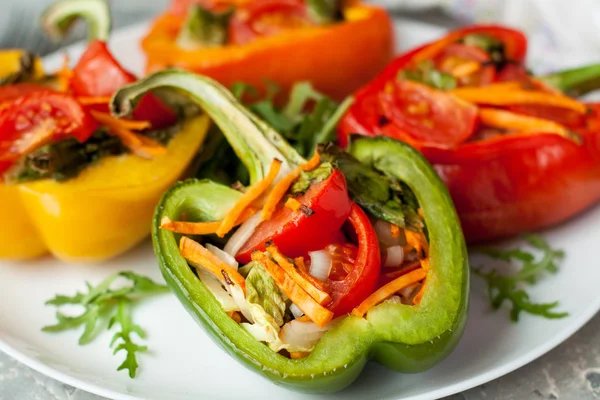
324	11
262	290
509	288
489	44
102	303
381	195
204	28
426	73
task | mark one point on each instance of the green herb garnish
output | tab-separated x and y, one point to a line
426	73
509	288
102	303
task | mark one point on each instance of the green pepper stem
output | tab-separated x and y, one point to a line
577	81
59	17
254	142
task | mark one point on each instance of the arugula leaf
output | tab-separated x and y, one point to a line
509	288
102	303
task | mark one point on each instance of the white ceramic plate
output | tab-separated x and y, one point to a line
183	363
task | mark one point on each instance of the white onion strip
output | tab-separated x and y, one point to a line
241	236
320	264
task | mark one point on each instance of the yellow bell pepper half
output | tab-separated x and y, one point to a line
101	213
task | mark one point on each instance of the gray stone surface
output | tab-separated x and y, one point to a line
571	371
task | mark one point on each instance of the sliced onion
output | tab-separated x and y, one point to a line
384	234
240	300
221	255
320	264
241	236
296	312
407	291
395	256
302	334
216	288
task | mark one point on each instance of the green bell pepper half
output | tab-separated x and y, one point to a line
404	338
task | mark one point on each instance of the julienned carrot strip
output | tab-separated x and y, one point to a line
65	74
395	230
465	69
93	100
402	271
293	204
508	120
284	184
419	296
389	290
200	228
418	241
303	271
482	95
110	121
507	85
316	312
198	255
320	296
248	198
429	52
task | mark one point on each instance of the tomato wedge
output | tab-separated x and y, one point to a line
458	54
38	118
267	18
424	116
11	92
296	233
355	269
99	74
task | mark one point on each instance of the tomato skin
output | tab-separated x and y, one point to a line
11	92
34	114
266	18
362	280
423	116
295	233
97	73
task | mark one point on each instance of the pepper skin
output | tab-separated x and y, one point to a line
404	338
99	214
326	56
505	186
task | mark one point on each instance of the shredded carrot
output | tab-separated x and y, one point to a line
506	86
508	120
293	204
465	69
419	296
395	230
432	50
316	312
200	228
389	276
198	254
303	271
320	296
295	355
248	198
418	241
303	318
234	315
90	100
123	129
482	95
389	290
284	184
65	74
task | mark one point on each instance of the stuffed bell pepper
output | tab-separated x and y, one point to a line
317	265
516	152
336	45
77	182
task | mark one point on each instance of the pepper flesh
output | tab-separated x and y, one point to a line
510	184
326	56
404	338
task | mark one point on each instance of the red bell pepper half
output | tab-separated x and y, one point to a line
534	163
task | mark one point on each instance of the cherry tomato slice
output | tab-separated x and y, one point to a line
11	92
296	233
355	270
458	54
512	72
423	116
267	18
38	118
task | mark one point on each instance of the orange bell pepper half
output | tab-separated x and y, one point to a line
337	58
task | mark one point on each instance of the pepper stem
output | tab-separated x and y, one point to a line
59	17
254	142
575	82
